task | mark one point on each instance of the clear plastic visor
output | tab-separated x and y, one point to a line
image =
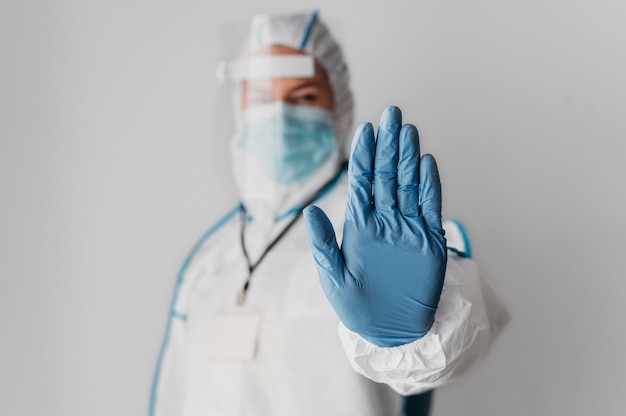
267	67
277	74
260	63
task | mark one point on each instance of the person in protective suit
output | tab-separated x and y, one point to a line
331	289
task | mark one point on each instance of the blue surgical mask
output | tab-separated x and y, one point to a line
288	142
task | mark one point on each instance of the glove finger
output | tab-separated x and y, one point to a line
323	245
386	160
430	192
361	173
408	165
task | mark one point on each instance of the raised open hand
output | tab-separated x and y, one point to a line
386	280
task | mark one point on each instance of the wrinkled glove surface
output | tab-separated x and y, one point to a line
385	281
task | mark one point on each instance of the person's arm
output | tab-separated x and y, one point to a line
468	319
386	281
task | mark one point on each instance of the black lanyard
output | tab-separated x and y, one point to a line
241	295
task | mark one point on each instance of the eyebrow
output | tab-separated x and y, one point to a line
308	84
255	89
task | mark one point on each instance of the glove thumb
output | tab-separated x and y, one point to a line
323	243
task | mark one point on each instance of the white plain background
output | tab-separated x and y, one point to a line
110	171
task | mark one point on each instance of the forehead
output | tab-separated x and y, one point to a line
276	50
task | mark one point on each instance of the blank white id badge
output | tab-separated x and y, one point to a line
233	337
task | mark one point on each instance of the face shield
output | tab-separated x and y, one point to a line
285	124
284	143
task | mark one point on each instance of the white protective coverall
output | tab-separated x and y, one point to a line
305	361
301	366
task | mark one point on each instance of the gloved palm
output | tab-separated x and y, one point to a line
385	281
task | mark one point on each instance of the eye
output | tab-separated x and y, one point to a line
305	96
307	99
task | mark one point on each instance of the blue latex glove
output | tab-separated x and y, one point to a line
386	280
